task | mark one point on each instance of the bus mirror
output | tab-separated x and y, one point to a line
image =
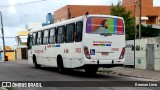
29	40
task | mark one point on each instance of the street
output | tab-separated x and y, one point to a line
12	71
20	71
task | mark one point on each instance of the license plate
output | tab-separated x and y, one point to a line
104	53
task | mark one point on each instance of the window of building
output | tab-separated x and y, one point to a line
34	38
52	38
60	36
45	37
79	29
39	38
70	33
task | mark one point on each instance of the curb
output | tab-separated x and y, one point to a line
127	75
2	88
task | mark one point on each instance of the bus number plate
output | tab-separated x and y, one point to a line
104	53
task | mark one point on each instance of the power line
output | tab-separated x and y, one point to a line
23	3
12	37
7	37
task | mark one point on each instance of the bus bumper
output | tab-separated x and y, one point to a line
104	63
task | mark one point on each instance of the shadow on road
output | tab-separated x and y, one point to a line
77	73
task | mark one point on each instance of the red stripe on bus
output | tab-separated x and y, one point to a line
95	44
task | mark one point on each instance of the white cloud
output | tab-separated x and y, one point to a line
12	9
12	2
10	33
156	2
89	2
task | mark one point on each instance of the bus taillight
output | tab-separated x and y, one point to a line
122	53
86	52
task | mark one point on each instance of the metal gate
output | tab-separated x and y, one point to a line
150	56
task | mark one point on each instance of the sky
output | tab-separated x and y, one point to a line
18	13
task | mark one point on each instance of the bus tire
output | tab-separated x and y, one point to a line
91	70
60	65
35	62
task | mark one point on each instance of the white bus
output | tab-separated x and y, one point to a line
87	42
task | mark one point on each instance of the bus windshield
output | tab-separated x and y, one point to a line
99	25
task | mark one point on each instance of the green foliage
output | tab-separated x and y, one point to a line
120	10
149	31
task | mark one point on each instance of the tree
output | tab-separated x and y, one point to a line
120	10
149	31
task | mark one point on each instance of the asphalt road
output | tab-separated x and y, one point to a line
13	71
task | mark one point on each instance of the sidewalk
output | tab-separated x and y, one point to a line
133	72
1	88
1	61
21	61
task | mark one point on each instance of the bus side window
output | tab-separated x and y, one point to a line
60	34
38	37
34	38
52	36
45	37
70	33
78	33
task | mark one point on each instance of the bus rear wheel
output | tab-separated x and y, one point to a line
61	68
91	70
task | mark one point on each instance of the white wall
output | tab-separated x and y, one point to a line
140	55
157	54
140	59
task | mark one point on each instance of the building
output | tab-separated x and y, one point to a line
21	47
21	38
71	11
10	54
49	19
147	54
0	56
150	14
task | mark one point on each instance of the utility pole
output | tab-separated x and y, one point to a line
140	15
4	51
135	28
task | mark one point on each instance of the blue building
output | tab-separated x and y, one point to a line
49	19
0	56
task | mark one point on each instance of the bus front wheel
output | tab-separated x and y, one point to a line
35	62
61	68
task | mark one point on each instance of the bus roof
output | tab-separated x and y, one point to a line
80	18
